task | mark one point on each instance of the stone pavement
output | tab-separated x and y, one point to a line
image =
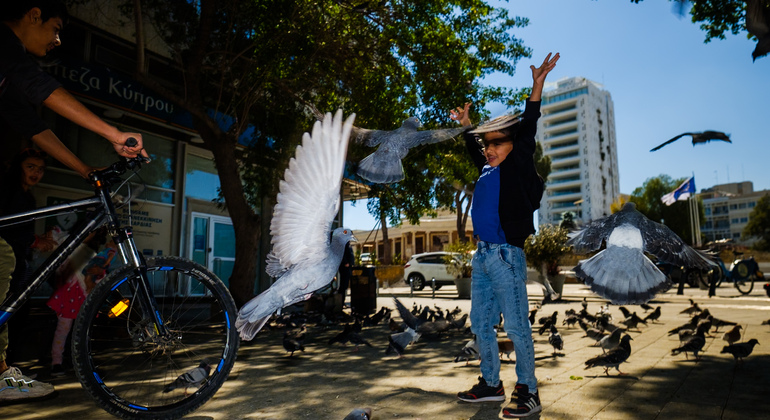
326	382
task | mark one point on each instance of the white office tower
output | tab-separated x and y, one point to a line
577	130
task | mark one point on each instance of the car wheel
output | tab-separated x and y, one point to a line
418	282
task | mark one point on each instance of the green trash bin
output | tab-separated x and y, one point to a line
363	290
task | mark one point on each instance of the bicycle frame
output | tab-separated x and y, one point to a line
99	208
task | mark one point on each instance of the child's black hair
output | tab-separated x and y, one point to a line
14	10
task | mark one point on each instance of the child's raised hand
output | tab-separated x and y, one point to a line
461	114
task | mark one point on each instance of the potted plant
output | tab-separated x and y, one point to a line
459	265
543	251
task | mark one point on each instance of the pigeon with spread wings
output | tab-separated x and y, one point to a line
703	137
303	258
384	165
621	272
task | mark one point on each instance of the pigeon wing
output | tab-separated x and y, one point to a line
664	244
670	141
433	136
591	237
308	197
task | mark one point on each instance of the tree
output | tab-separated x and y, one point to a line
759	224
735	16
249	67
676	216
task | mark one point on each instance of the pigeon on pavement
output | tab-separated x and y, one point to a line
693	344
633	321
359	414
609	342
294	341
733	335
192	378
303	259
653	316
398	342
470	351
646	307
692	309
555	340
621	272
614	357
702	137
740	350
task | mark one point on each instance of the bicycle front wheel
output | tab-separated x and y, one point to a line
745	286
132	370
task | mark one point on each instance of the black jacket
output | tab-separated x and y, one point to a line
521	188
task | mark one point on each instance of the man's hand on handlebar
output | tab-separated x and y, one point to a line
129	149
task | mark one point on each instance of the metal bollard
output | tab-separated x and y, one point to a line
411	286
433	286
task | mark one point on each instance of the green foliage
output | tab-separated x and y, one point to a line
676	216
718	17
461	263
546	247
759	224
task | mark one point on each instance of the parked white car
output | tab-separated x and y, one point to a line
421	268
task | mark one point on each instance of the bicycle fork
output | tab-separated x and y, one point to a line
141	287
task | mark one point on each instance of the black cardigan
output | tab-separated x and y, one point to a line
521	188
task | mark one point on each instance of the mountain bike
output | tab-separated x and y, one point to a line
146	323
742	273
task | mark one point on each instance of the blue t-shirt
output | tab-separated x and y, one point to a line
484	211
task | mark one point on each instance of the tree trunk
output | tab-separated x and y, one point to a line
246	222
462	214
387	258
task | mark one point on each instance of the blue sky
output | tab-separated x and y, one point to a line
663	79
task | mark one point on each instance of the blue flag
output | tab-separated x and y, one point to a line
683	192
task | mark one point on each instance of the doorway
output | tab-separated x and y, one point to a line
212	244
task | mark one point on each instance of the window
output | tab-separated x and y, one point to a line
201	178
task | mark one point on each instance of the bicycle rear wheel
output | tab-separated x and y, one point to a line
130	369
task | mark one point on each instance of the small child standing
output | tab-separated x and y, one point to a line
81	273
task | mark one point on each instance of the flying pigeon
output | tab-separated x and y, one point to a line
740	350
614	357
621	272
192	378
384	165
703	137
303	259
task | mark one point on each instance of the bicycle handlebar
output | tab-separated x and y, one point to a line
118	168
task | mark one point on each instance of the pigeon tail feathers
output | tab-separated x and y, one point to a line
622	276
381	171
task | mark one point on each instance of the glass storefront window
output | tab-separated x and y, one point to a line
201	178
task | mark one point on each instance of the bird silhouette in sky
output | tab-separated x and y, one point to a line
622	272
703	137
303	258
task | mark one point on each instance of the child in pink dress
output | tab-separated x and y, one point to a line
69	296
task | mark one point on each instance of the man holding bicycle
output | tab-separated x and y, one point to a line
29	30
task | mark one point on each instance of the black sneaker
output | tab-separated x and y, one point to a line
522	403
57	370
483	392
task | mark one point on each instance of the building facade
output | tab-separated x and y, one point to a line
728	208
577	131
431	234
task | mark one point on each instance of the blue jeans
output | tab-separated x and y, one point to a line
499	286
